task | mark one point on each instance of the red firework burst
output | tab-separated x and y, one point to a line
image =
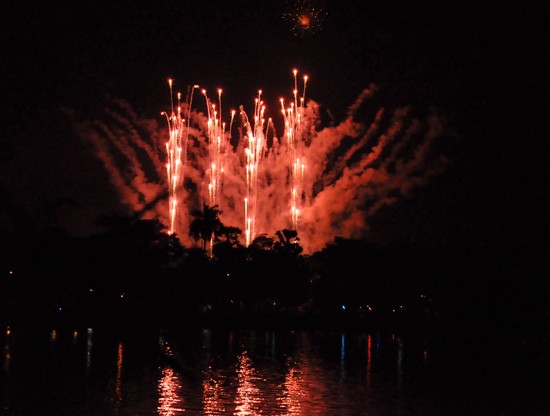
305	17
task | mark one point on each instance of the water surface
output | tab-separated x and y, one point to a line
87	371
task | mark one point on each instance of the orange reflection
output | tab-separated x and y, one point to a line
369	359
213	395
306	386
247	393
293	394
7	355
170	397
119	372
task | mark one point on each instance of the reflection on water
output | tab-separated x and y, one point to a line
7	348
119	359
89	372
170	393
248	397
292	394
89	335
369	360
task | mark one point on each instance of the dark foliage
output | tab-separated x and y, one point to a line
135	274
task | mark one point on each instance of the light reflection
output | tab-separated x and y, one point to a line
247	393
342	357
307	381
369	360
293	392
308	385
213	395
7	350
343	348
425	352
246	387
170	397
89	348
120	357
399	363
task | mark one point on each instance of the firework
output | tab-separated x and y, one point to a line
255	139
305	17
324	182
293	118
176	152
218	142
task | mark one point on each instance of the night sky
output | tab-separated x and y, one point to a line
480	65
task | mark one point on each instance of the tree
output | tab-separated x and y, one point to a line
288	243
228	247
206	225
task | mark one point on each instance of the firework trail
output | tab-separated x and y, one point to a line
324	182
293	117
256	142
218	143
174	148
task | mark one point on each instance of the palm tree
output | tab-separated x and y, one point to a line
206	225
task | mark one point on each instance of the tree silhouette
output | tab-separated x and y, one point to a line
206	225
287	243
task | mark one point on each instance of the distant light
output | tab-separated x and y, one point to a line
343	307
122	295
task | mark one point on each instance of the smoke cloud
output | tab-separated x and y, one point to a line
351	169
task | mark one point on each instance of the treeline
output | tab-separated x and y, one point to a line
135	274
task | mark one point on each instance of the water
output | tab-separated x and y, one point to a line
87	371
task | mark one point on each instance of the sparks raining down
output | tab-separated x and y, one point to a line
293	117
324	181
305	17
176	156
255	139
218	142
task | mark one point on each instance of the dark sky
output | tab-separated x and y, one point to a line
480	64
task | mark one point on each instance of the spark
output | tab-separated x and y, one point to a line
293	117
255	138
176	151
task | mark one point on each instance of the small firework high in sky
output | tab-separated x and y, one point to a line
305	17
